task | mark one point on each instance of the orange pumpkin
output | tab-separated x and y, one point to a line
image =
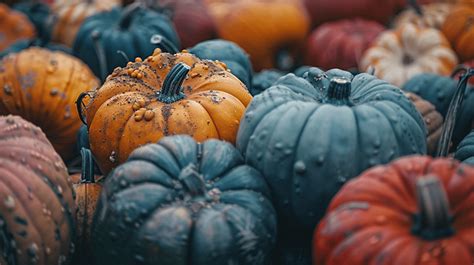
433	15
71	13
270	31
398	55
459	29
163	95
42	86
13	26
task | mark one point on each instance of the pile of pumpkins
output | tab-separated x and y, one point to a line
263	132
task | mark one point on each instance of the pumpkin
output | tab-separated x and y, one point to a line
340	44
42	86
433	120
398	55
236	59
87	187
13	26
264	80
416	210
277	137
430	15
71	14
163	95
134	30
39	14
270	31
37	42
179	201
464	66
465	150
36	213
459	30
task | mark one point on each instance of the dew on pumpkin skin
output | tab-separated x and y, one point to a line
299	167
9	202
112	157
7	89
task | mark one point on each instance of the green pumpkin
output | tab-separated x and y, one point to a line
25	44
267	78
39	14
309	135
465	150
179	202
236	59
135	30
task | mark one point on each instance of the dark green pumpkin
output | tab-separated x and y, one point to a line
465	150
134	30
25	44
39	14
236	59
309	135
179	202
267	78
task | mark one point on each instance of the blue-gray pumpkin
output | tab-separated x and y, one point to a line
465	150
267	78
135	30
236	59
309	135
179	202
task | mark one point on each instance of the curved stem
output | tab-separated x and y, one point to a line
433	220
80	104
339	91
414	4
192	180
163	43
458	69
100	52
87	172
124	55
126	17
450	120
171	89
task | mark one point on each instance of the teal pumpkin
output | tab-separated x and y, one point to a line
264	79
135	30
236	59
309	135
179	202
25	44
39	14
465	150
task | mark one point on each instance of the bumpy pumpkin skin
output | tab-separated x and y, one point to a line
465	150
263	28
433	121
42	87
434	16
158	209
126	113
341	44
370	220
13	27
277	136
459	30
37	206
400	54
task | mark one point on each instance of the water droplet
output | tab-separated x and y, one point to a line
320	160
112	157
374	239
341	180
7	89
139	258
300	167
54	92
278	146
32	250
123	183
60	190
9	202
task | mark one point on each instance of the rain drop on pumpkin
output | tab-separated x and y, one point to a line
300	167
7	89
9	202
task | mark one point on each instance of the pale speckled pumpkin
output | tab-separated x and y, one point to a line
433	15
400	54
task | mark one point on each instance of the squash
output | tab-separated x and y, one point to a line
397	55
37	42
465	150
179	201
270	31
236	59
42	86
39	14
309	135
13	26
264	79
37	203
135	30
416	210
459	30
162	95
70	14
340	44
430	15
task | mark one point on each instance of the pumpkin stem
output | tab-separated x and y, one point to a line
171	90
339	91
192	180
458	69
163	43
414	4
126	17
450	120
433	220
80	104
124	55
99	51
87	172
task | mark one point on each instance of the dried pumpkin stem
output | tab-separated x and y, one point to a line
163	43
451	116
433	220
339	92
87	172
414	4
192	180
172	90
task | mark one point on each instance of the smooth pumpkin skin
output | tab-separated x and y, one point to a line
120	32
39	14
459	30
434	15
149	214
262	28
307	149
214	102
13	26
465	150
37	197
236	59
42	87
264	79
370	219
25	44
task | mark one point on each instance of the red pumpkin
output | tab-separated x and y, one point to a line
416	210
341	44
